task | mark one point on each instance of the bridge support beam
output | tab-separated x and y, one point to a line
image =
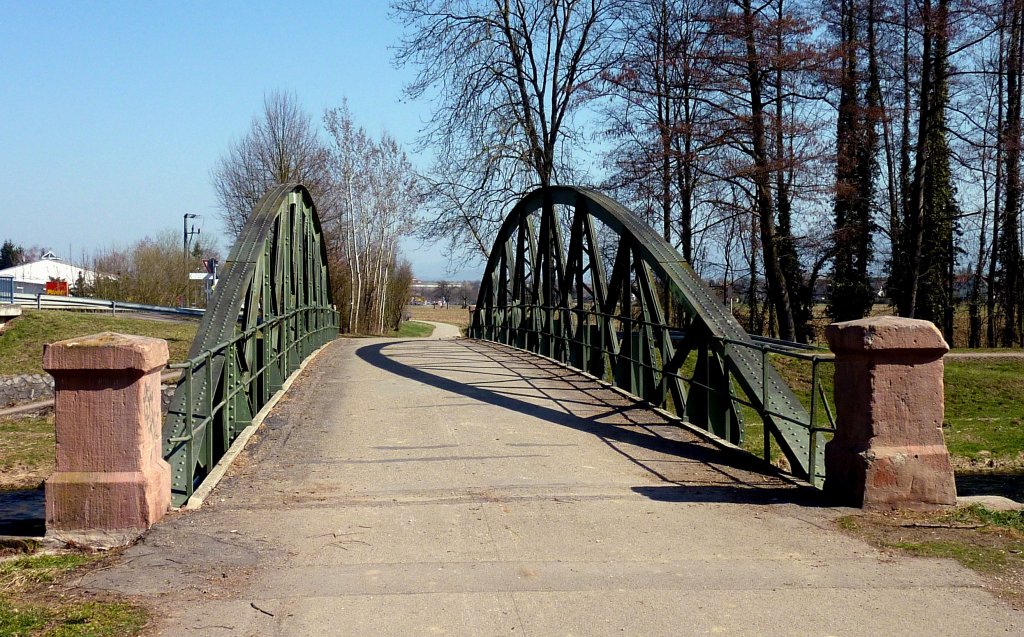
111	482
889	451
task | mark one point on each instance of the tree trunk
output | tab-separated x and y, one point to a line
778	290
915	214
1010	254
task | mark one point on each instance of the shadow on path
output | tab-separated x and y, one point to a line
726	475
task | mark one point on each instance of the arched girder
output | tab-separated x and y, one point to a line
609	321
271	308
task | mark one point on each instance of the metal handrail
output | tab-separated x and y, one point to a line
813	423
548	260
271	309
234	383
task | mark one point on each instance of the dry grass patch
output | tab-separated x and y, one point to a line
38	598
457	316
990	543
26	451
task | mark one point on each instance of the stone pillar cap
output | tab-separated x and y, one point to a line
884	333
106	350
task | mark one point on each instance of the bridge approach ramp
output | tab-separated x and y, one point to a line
457	487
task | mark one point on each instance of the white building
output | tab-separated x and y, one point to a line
31	278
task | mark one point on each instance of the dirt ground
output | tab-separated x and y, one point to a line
994	550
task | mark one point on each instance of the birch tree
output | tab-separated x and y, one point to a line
373	199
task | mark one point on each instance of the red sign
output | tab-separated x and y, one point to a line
57	288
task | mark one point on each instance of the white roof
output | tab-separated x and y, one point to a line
46	269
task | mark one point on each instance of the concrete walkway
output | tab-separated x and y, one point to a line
450	487
443	330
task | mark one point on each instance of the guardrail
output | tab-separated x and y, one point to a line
801	367
51	302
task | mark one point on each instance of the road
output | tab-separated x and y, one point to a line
452	487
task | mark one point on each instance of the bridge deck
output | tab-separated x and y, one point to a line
457	487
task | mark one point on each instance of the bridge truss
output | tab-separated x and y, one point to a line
557	297
270	310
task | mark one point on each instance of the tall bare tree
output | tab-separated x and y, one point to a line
660	114
281	145
373	197
506	78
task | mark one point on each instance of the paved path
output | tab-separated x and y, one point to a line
449	487
443	330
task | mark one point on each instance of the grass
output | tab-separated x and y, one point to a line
974	514
413	329
988	542
16	573
26	451
984	398
457	316
34	601
985	408
406	329
21	344
983	559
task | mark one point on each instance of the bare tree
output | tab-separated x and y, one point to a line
282	145
506	78
139	273
372	200
660	111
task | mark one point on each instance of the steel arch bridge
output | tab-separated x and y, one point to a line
270	310
556	297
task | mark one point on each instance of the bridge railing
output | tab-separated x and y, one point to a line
576	277
809	371
259	385
269	311
807	368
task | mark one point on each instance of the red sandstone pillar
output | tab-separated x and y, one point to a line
888	451
111	480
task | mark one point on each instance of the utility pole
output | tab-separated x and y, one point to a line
186	238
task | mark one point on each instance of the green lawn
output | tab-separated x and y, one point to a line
21	345
413	329
985	407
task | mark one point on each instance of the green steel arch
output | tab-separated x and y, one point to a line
556	298
270	310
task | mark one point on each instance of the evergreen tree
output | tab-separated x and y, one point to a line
850	293
11	255
924	258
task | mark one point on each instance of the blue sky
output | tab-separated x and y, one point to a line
112	114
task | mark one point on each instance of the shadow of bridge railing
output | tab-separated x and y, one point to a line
693	468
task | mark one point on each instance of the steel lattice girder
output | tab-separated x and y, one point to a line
271	308
557	299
